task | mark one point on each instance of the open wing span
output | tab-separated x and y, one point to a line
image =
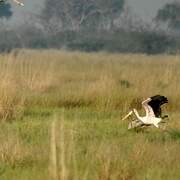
156	103
153	116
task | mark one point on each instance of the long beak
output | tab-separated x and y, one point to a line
125	117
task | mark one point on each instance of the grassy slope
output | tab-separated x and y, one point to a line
61	116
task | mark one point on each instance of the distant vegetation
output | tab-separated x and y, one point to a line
170	14
5	10
98	80
93	26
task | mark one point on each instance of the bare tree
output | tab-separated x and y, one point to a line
79	14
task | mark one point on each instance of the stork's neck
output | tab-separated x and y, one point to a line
136	114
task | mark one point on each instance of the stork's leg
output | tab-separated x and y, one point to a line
135	124
165	116
163	122
164	119
156	125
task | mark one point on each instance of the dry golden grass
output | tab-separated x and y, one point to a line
13	151
104	151
86	140
69	79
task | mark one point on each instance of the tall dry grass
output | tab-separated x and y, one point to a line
69	79
62	152
13	151
86	144
97	150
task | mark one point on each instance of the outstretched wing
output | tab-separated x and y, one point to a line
148	108
156	102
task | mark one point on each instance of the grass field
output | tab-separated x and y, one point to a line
61	115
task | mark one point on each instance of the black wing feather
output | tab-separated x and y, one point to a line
156	102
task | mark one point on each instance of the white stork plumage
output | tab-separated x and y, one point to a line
16	1
152	108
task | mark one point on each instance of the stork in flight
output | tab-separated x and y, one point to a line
152	107
16	1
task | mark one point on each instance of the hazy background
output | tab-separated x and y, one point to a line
136	26
146	9
20	14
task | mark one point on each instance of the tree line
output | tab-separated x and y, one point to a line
93	25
